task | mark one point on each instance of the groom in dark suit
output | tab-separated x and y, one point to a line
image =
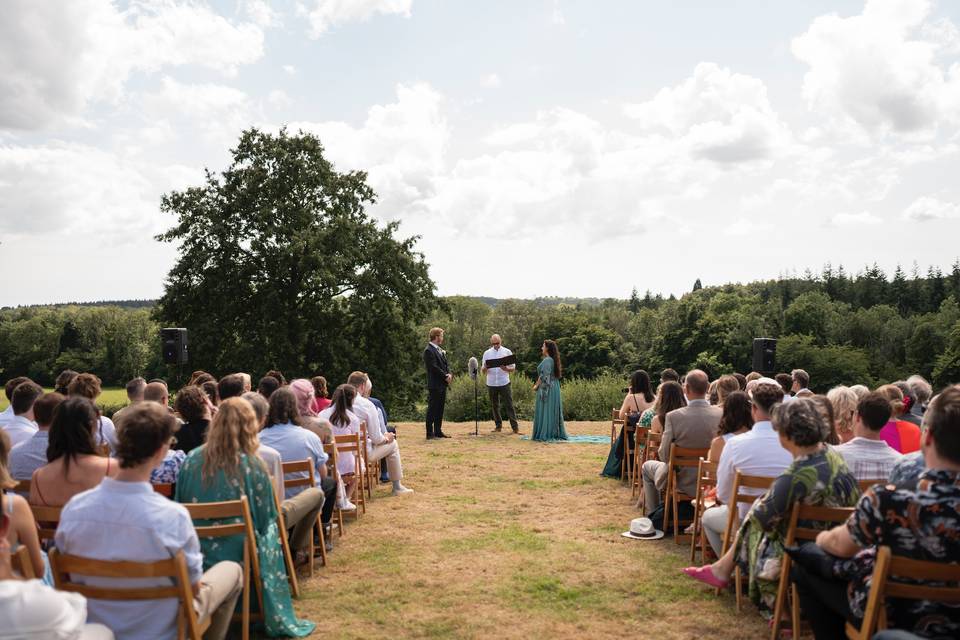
438	379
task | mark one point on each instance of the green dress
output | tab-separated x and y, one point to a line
254	482
548	412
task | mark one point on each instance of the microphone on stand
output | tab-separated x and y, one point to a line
472	367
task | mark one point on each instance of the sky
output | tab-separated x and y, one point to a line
537	147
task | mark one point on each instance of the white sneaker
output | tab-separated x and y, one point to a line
346	505
402	490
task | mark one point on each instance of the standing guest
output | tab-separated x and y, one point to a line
692	426
639	398
498	384
191	404
816	477
30	455
87	385
270	456
267	385
284	434
23	529
922	391
920	524
321	399
868	455
899	434
344	422
74	463
909	401
548	410
844	402
381	444
7	414
438	379
135	389
785	380
225	468
143	526
230	386
669	397
63	381
22	427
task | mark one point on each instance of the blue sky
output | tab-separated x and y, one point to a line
637	143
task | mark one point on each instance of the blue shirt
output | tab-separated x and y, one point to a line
29	456
294	443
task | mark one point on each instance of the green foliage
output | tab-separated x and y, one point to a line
828	366
947	368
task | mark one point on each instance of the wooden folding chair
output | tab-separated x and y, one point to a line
642	435
369	470
800	513
22	488
174	568
21	564
615	421
47	519
740	481
309	481
330	448
866	484
706	477
626	464
883	586
287	553
232	510
164	488
653	446
680	458
351	443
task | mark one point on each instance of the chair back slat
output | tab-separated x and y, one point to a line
866	484
296	466
924	570
47	519
20	563
22	488
686	456
163	488
218	511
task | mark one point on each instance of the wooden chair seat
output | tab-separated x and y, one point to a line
641	438
21	564
680	458
352	443
706	477
306	482
741	481
47	519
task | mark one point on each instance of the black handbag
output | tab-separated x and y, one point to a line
815	560
633	418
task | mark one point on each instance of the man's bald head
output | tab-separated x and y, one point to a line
495	340
697	384
156	392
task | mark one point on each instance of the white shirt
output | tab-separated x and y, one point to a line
755	453
366	410
271	457
6	415
869	459
497	377
31	609
20	429
130	521
346	463
106	432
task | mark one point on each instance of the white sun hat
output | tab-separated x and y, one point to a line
642	529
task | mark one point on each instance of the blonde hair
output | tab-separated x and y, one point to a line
6	481
726	385
844	401
232	432
892	393
436	331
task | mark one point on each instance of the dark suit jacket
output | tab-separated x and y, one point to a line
437	368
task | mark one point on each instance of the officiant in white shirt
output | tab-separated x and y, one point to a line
498	384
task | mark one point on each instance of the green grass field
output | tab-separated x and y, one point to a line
111	396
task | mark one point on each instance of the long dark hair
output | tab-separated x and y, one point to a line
640	383
342	400
736	413
283	408
71	432
670	397
554	353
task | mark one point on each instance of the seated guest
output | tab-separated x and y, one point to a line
30	455
750	377
87	385
169	468
726	385
7	414
922	392
31	609
905	474
801	383
757	452
384	473
23	528
899	434
639	398
63	381
212	391
278	376
868	456
669	397
230	386
860	390
21	427
309	419
135	389
267	385
381	444
225	468
920	524
321	398
844	402
125	519
692	426
785	380
192	406
270	456
247	382
294	443
669	375
344	422
737	418
74	463
741	380
817	477
825	408
198	377
909	400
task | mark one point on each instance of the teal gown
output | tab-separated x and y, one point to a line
279	617
548	412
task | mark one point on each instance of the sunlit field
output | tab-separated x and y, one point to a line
111	397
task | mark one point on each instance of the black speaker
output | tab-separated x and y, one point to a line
764	355
174	344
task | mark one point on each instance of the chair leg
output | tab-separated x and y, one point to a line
738	585
795	610
696	529
323	541
288	557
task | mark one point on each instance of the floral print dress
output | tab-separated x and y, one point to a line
253	481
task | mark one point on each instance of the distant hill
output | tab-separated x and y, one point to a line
127	304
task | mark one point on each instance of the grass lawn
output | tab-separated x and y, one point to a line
509	538
110	396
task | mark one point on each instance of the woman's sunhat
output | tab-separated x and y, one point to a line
642	529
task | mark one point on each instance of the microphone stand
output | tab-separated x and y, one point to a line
476	405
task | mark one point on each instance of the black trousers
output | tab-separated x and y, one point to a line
329	487
502	394
823	603
436	398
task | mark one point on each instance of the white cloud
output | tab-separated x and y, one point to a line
261	13
289	69
57	58
327	14
279	99
882	69
927	208
719	115
490	81
853	219
556	15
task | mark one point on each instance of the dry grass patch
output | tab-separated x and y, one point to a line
509	538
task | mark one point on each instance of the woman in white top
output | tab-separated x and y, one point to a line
736	419
344	422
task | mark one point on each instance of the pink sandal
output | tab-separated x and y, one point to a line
705	574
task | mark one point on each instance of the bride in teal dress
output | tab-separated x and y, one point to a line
548	412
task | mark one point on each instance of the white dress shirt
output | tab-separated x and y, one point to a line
346	463
271	458
20	429
293	443
6	415
106	432
29	455
130	521
31	609
366	410
869	459
497	377
755	453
